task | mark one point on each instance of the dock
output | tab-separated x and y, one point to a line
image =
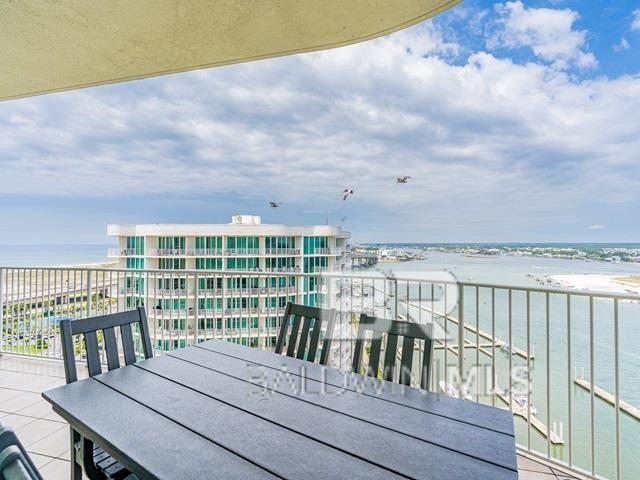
536	423
499	343
480	333
609	398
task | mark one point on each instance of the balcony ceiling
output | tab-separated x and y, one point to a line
49	45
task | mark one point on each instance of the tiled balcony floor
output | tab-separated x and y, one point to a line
46	436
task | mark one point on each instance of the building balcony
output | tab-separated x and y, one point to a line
167	252
45	434
170	292
326	251
124	252
242	252
499	327
282	251
205	252
282	270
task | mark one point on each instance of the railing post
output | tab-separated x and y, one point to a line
89	288
460	337
2	305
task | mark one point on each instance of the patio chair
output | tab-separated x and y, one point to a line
311	319
97	463
393	329
15	463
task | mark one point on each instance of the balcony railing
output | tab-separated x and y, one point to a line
564	362
282	251
123	252
167	252
205	252
236	252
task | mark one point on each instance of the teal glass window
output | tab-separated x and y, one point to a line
250	263
171	243
280	262
136	244
172	283
172	303
280	242
208	264
209	243
172	263
210	303
243	243
135	263
311	264
311	244
242	282
210	283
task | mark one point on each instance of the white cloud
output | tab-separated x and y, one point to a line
490	144
547	31
623	45
635	23
596	226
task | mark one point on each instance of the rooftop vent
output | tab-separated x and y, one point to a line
246	220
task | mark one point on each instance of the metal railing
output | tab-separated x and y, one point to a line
564	362
282	251
124	252
205	252
167	252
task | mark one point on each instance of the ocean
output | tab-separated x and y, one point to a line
527	272
53	255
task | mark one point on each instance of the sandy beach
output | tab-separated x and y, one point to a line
599	282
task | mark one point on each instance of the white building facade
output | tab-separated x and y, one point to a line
205	281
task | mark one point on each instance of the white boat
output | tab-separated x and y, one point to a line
452	391
522	401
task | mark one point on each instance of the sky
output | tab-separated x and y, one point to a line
517	122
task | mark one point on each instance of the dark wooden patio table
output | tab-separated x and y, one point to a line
220	410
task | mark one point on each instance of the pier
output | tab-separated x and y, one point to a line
524	412
499	343
609	398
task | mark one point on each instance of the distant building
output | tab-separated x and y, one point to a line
207	300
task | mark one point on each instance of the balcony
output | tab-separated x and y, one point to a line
46	435
241	252
548	336
326	251
282	270
205	252
123	252
167	252
282	251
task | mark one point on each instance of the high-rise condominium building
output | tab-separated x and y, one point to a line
232	281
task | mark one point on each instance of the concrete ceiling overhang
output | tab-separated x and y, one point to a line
54	45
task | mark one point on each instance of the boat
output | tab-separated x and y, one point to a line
522	401
452	391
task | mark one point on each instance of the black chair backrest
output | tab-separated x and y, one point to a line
107	324
15	463
311	319
393	329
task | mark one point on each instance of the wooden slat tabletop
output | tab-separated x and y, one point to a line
220	410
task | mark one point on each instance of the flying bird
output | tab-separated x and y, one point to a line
403	179
275	204
346	192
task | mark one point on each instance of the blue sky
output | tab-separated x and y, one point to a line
518	121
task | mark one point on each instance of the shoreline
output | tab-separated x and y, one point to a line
610	283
